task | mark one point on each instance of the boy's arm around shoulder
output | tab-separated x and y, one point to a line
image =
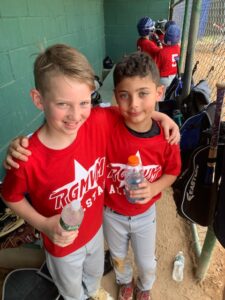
17	149
170	128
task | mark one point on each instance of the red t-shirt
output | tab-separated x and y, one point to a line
148	46
53	178
165	60
157	155
161	36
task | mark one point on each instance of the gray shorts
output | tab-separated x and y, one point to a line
76	275
139	232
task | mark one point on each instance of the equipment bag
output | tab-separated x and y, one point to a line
196	101
194	199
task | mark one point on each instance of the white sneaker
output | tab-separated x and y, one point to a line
101	294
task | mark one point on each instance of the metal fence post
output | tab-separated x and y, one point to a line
192	38
206	253
184	39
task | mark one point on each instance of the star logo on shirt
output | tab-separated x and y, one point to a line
116	172
84	181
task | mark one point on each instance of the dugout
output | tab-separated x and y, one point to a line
96	27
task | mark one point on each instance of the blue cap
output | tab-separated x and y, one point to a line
172	35
145	25
168	23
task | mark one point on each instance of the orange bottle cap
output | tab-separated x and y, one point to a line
133	160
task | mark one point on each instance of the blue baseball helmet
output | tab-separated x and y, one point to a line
168	23
172	35
145	26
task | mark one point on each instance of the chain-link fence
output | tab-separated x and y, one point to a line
210	46
209	57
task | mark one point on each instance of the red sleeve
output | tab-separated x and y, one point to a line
14	185
173	160
152	48
158	59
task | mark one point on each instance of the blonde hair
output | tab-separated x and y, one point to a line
62	59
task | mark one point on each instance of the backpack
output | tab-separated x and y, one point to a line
194	199
195	102
196	131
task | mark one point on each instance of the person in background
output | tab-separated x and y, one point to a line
168	23
137	89
160	29
168	56
146	27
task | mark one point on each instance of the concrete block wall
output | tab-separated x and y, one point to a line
26	27
121	17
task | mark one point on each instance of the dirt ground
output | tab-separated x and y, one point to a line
173	234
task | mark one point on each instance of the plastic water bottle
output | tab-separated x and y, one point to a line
72	216
133	176
178	267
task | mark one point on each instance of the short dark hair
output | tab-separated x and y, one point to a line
136	64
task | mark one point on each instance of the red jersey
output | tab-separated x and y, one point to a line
148	46
161	36
166	60
53	178
158	157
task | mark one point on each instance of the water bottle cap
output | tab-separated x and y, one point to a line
133	160
75	204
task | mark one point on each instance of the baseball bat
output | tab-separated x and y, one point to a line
211	161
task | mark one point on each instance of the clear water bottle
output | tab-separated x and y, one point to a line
71	216
133	176
178	267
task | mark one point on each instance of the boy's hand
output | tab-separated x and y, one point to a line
171	131
146	192
57	234
170	128
17	149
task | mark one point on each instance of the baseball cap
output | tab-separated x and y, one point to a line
172	35
168	23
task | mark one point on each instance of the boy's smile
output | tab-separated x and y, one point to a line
136	97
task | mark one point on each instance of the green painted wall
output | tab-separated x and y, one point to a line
26	26
121	17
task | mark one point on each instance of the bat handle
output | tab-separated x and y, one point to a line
220	86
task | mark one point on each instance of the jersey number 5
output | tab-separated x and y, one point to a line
174	60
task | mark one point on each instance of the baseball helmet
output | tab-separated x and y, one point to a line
145	26
168	23
172	35
160	25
